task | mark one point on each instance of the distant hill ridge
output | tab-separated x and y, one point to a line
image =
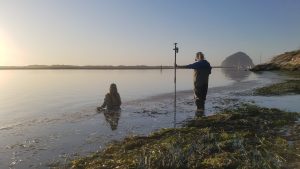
85	67
287	61
88	67
238	60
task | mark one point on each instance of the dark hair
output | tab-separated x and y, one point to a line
113	89
200	55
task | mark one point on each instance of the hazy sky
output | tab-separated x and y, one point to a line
131	32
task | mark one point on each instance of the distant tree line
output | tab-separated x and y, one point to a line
85	67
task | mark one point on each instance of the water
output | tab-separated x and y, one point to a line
48	116
26	94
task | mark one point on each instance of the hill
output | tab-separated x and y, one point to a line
287	61
84	67
238	60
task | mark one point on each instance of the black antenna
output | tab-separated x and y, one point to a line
260	58
176	51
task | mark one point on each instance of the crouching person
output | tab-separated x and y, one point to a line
112	100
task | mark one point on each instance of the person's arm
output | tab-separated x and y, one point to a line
104	104
199	65
106	100
190	66
193	66
181	66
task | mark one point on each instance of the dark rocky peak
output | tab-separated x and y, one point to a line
238	60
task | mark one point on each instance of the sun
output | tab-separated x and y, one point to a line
5	48
10	53
3	53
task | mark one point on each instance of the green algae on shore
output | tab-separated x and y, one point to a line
287	87
245	137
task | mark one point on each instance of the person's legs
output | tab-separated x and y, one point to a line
200	96
199	103
199	113
204	88
203	94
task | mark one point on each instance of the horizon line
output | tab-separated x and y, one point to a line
93	67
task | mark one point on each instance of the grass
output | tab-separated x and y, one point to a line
287	87
244	137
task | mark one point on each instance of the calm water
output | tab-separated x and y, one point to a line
26	94
48	116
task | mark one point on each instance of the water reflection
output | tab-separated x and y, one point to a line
237	75
112	117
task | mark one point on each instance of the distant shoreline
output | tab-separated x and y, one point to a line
59	67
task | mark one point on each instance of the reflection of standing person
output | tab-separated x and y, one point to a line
112	100
202	70
112	117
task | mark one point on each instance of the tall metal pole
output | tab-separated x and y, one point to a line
176	51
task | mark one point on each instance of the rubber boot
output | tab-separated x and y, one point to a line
200	104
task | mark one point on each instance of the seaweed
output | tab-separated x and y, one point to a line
245	137
284	88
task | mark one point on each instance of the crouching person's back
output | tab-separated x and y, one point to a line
112	100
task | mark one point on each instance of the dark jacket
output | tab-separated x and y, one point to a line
202	70
112	102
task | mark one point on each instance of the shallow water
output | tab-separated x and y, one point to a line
48	116
28	94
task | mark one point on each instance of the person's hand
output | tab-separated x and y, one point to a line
100	109
178	66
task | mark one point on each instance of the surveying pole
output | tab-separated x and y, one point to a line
176	51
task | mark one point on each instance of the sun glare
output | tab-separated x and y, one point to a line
3	51
10	54
4	48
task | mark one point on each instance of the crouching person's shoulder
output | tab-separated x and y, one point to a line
107	96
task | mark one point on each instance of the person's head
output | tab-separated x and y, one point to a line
113	89
199	56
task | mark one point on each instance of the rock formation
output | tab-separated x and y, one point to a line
238	60
287	61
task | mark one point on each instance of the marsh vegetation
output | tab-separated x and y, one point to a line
287	87
244	137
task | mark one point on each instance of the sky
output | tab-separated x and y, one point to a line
142	32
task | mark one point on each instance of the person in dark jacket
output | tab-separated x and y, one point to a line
112	100
202	70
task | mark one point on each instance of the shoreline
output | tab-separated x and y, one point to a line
176	147
109	150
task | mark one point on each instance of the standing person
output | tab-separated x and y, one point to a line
112	100
202	70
